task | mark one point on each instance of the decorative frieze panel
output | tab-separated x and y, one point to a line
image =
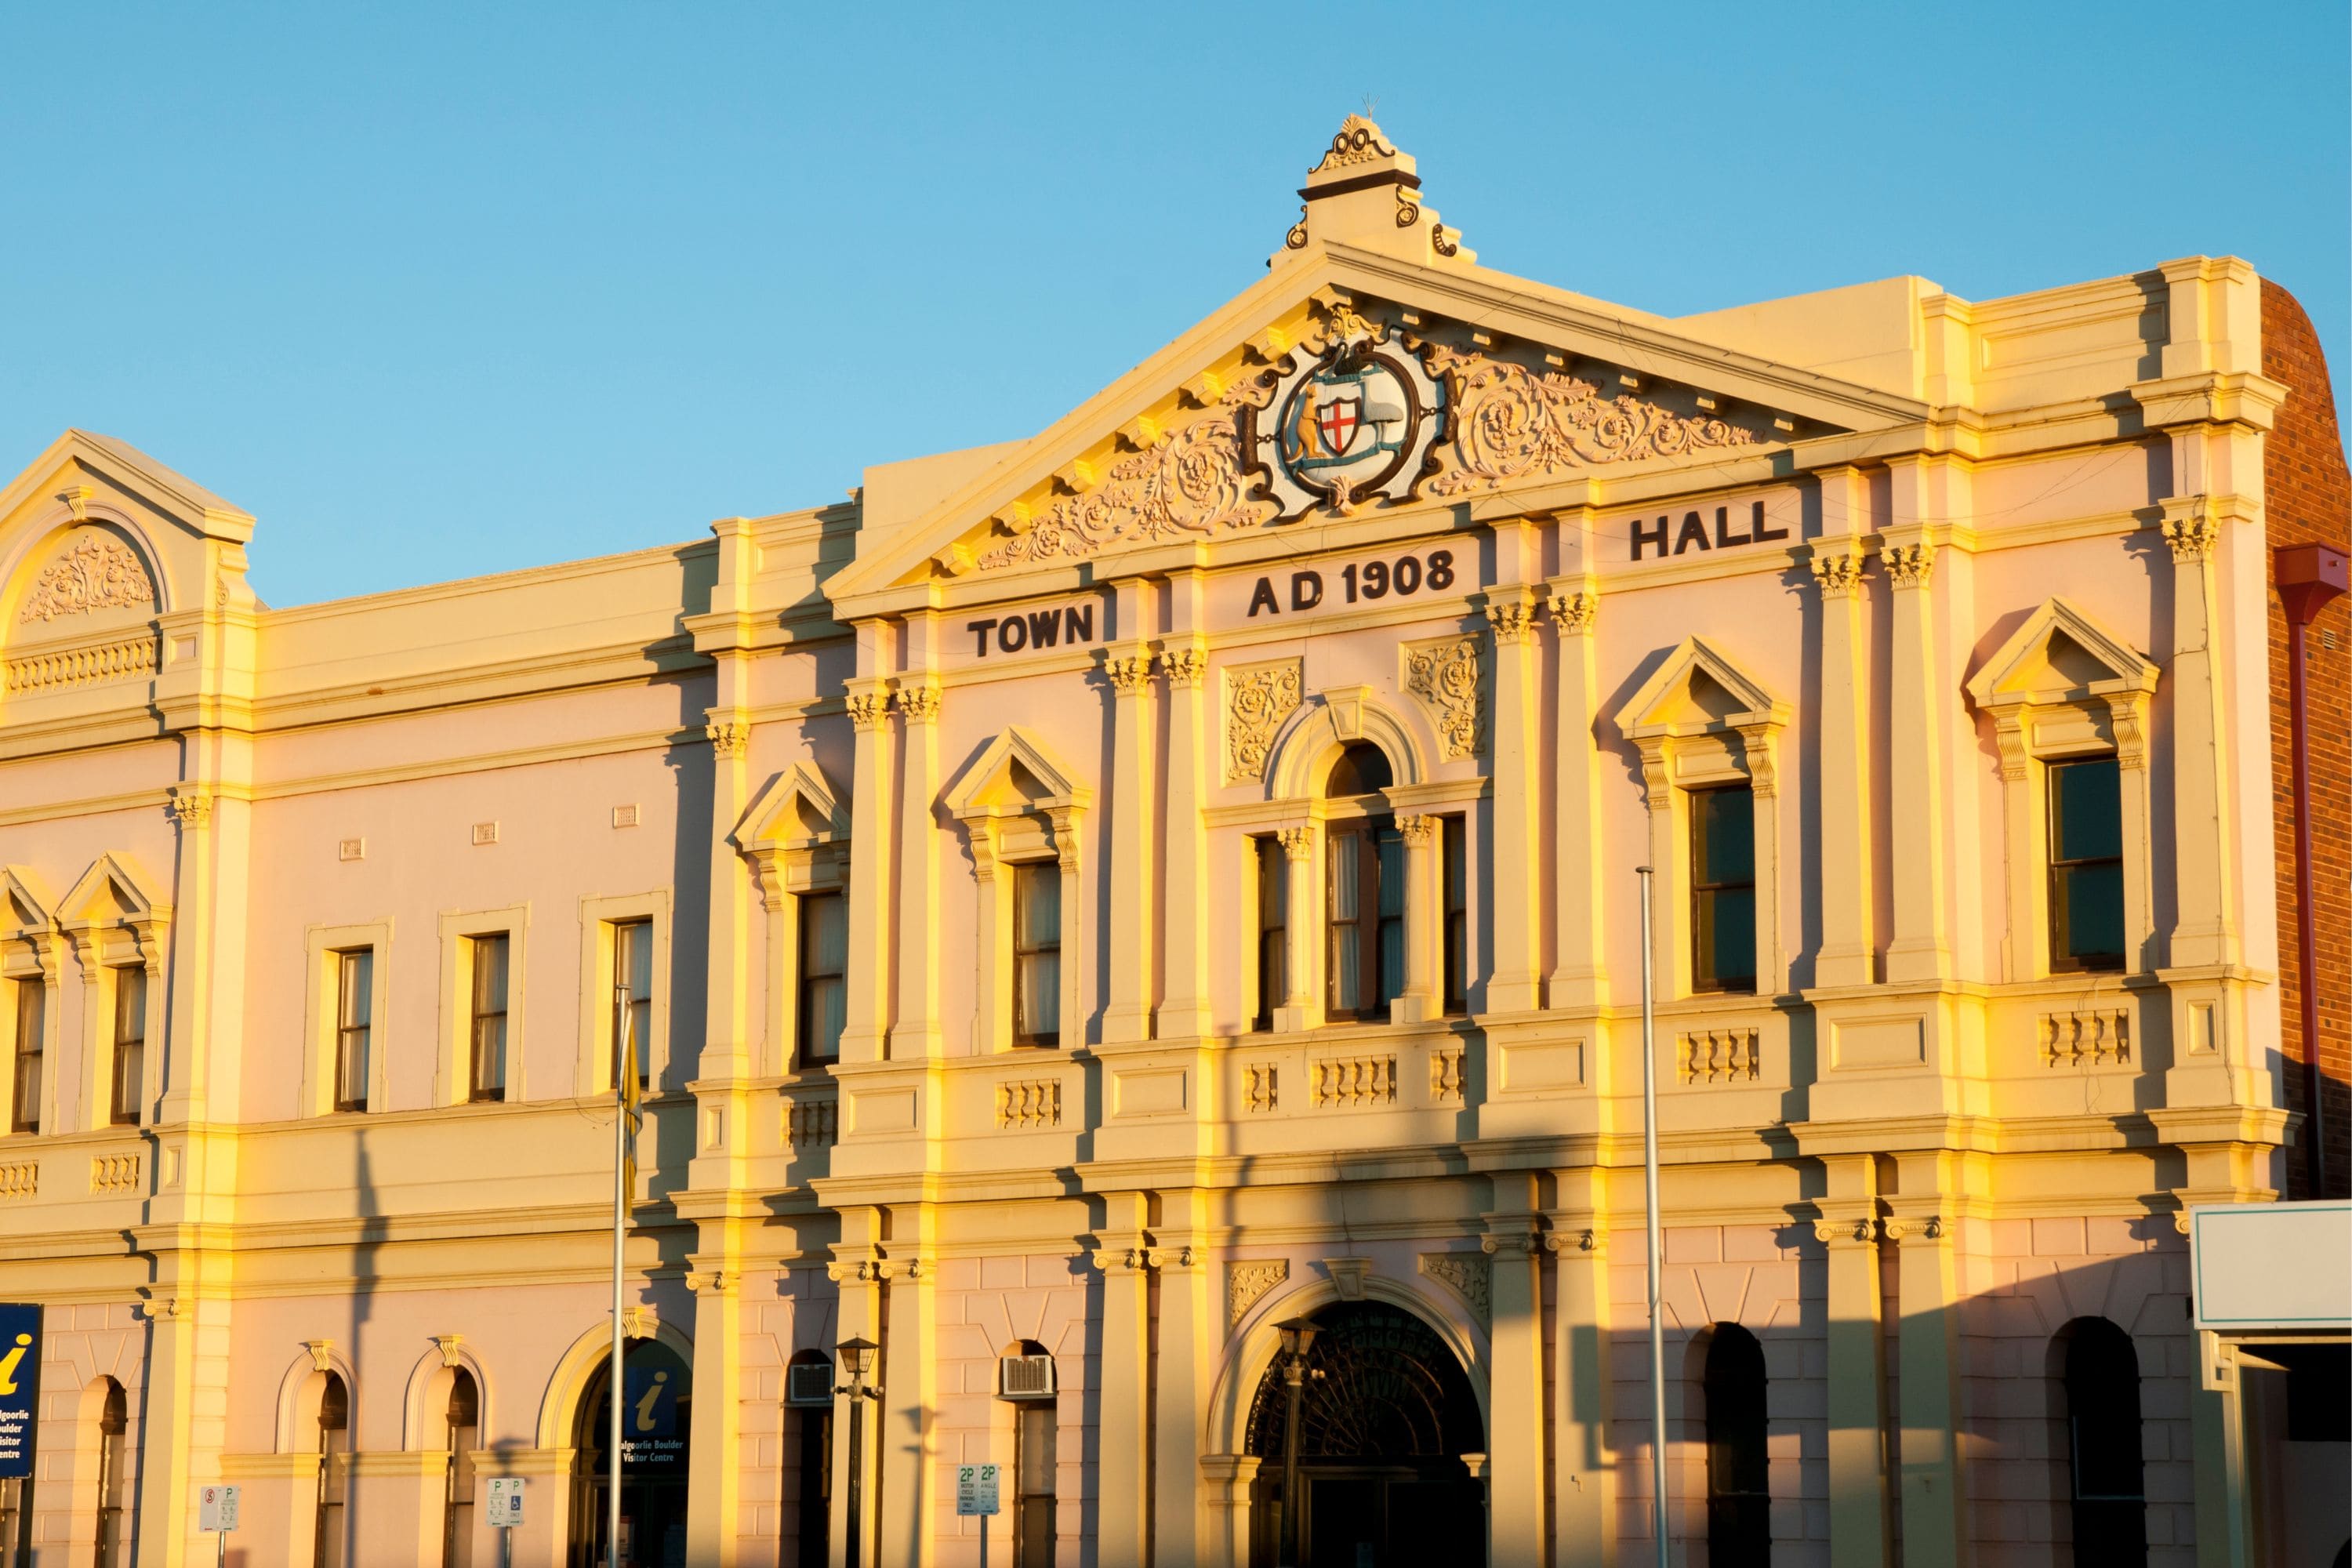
61	669
2096	1037
809	1123
1718	1055
1026	1104
1447	675
21	1180
1261	1087
97	573
1445	1076
1467	1275
1257	699
114	1174
1246	1282
1353	1082
1511	423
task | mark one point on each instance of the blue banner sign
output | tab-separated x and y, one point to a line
20	1388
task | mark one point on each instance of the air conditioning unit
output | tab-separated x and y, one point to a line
1026	1377
808	1382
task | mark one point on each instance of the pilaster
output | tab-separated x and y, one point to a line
166	1420
1917	949
1181	1380
860	1270
1422	921
1579	974
866	1007
1848	1227
2204	929
1513	985
1122	1488
915	934
1848	956
1515	1437
1584	1479
1927	1286
713	1516
1184	1009
1127	1013
1303	1007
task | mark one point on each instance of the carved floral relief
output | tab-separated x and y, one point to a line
1446	676
1511	423
1257	701
97	574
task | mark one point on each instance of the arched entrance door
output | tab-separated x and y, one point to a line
657	1395
1381	1439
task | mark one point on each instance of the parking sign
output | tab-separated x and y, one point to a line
216	1510
506	1502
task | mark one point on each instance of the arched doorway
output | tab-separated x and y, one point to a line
657	1395
1380	1438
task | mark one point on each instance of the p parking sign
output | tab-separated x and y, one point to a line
506	1503
20	1387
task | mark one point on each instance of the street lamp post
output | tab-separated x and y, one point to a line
856	1364
1297	1338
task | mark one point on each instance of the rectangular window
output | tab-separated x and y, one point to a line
1366	953
129	1045
354	1021
1033	1468
1454	848
485	1079
1723	889
824	975
32	1041
1037	955
633	996
1273	930
2086	865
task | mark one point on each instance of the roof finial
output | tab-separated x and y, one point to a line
1364	194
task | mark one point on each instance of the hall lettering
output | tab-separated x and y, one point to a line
1693	532
1073	624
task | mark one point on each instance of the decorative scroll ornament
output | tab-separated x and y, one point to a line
1467	1277
1359	141
1356	422
1256	703
1191	481
96	574
1511	423
1446	676
1247	1281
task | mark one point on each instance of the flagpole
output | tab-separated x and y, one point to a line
625	1068
1650	1190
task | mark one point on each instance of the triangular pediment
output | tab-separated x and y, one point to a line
2059	653
1015	772
111	892
799	806
1697	688
1532	385
26	909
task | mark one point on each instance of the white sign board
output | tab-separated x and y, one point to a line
506	1502
2281	1267
975	1489
217	1510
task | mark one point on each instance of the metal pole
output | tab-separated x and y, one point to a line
983	1541
506	1548
1293	1373
1654	1246
855	1557
620	1220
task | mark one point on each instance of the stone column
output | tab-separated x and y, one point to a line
1584	1478
1127	1014
1579	976
1848	955
1927	1355
915	1035
1917	949
1122	1492
2204	930
904	1517
1181	1378
1184	1010
1515	1437
865	1005
1424	922
166	1416
857	1270
1302	1008
1516	853
712	1519
1857	1367
1226	1480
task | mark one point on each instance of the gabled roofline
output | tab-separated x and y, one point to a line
190	502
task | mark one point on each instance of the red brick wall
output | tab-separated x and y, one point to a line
2307	495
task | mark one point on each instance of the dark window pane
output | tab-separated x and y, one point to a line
2086	817
1723	889
1273	930
1723	836
2087	868
1362	769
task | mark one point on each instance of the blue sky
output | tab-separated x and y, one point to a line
437	290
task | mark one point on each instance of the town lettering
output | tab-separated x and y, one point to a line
1694	532
1064	624
1403	577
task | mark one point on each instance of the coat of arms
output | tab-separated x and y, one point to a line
1353	423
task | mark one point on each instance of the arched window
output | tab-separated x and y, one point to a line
335	1449
1025	1378
463	1424
808	1461
1739	1471
2102	1452
114	1479
1364	962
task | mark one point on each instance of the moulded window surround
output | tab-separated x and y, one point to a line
1037	926
600	942
27	1059
796	834
1722	883
2064	689
323	1021
461	1429
114	924
354	1026
2086	864
1266	888
821	981
1016	805
461	934
112	1527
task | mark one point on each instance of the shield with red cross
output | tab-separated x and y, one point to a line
1337	421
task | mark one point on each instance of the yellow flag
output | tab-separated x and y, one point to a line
631	1096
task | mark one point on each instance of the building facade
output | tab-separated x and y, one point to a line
1089	902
